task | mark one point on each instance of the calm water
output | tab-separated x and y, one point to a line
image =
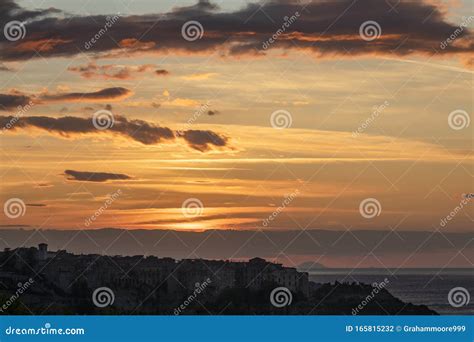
418	286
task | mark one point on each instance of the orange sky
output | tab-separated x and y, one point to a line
368	126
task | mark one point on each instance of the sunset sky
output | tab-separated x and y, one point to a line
192	118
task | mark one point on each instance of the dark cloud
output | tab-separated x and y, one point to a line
212	112
162	72
144	132
94	176
326	28
101	95
35	205
9	10
13	101
3	67
66	126
138	130
197	9
204	140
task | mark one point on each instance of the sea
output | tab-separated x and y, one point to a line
430	287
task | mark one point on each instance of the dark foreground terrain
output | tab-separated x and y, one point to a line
38	281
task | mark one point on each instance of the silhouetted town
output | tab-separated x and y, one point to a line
63	283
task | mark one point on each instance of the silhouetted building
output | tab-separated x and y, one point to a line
68	272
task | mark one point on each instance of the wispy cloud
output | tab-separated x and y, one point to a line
162	72
199	77
111	71
3	67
